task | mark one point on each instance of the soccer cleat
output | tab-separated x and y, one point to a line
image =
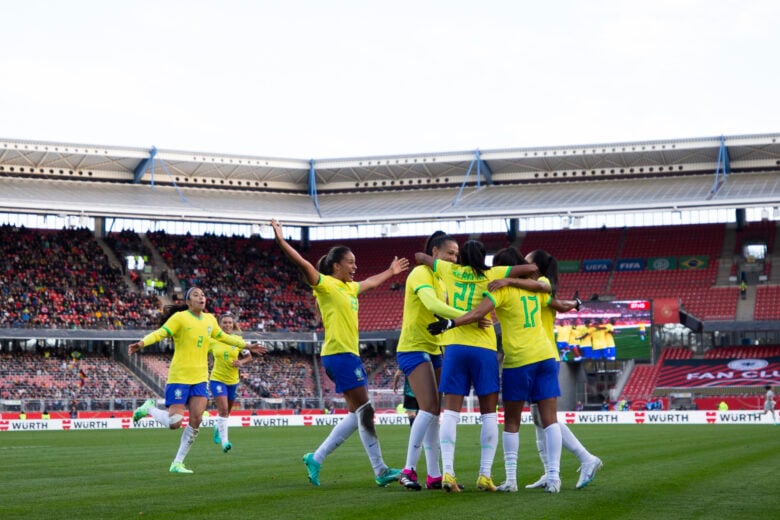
435	483
432	482
542	482
313	468
226	447
449	484
553	486
508	487
178	467
143	410
409	480
588	472
485	483
217	440
388	476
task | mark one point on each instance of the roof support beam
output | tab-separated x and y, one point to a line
481	165
143	165
724	166
313	186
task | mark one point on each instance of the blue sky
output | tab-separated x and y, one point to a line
319	79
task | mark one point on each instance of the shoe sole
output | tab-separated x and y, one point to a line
452	488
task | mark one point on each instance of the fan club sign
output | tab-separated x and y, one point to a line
713	373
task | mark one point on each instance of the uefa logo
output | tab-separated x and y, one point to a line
748	364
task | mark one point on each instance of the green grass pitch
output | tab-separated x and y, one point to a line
630	345
650	471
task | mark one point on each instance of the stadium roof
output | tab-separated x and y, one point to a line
103	181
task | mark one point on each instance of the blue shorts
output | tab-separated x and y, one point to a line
219	388
346	370
177	393
611	353
531	383
563	345
599	353
587	352
408	361
465	366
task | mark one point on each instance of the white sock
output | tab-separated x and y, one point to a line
367	431
572	444
188	436
447	437
222	427
511	447
161	416
552	436
418	432
338	435
488	441
432	448
541	445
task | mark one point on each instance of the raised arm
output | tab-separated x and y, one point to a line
308	270
397	266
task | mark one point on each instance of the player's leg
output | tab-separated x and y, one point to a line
455	384
485	376
196	404
357	400
423	383
552	434
339	369
511	442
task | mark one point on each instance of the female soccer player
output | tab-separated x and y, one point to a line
192	328
224	378
589	463
337	293
530	368
419	358
470	358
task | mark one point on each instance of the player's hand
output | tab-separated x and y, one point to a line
577	299
397	379
257	348
278	233
399	265
498	284
135	347
485	322
437	327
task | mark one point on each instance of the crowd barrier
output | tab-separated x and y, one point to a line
275	421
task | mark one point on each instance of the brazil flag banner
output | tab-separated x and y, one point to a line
694	262
661	263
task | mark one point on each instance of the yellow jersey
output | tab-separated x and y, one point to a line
466	289
192	336
523	335
338	304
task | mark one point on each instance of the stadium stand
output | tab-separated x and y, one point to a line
246	276
58	379
63	280
767	303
